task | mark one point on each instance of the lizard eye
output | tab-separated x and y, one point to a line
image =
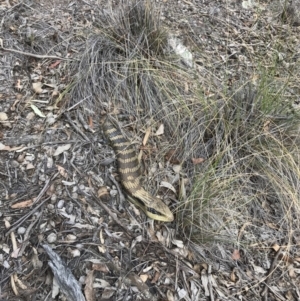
153	211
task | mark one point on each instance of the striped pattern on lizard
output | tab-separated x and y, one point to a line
129	170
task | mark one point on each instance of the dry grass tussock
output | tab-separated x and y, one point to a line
128	69
252	175
247	138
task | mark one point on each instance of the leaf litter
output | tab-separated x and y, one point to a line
166	261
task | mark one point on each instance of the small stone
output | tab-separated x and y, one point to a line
75	253
113	192
21	230
70	238
49	162
60	204
51	238
50	207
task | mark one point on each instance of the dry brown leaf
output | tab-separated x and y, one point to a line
37	87
144	277
37	111
62	171
15	253
167	185
170	296
275	247
53	65
182	252
148	268
233	276
160	130
30	116
53	94
29	166
101	237
197	160
177	168
204	266
91	125
178	243
236	254
61	149
13	285
102	249
100	283
102	267
20	283
102	191
23	204
108	292
89	292
146	137
156	277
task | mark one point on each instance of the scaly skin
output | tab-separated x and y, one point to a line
128	168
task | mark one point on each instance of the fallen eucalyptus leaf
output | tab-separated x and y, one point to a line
37	111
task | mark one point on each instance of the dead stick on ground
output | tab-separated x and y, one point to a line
122	198
38	56
77	129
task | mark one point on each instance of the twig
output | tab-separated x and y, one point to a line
78	130
122	197
210	284
45	187
39	56
27	235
